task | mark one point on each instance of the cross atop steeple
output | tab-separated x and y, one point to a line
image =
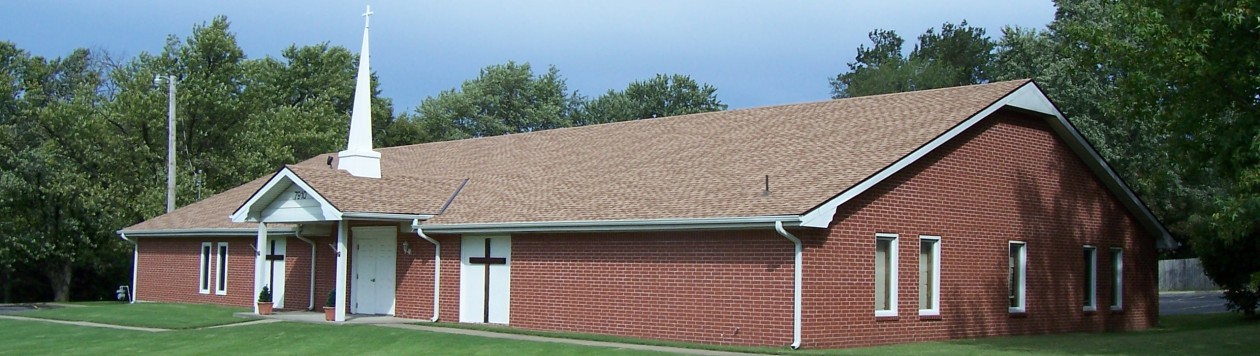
367	17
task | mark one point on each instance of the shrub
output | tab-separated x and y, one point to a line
265	295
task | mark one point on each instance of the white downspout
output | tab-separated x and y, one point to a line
437	266
135	266
310	305
796	285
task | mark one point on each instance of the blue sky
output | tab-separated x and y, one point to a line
756	53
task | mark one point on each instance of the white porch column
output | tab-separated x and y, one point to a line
258	263
343	235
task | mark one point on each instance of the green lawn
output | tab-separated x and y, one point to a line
151	315
1207	334
40	338
1210	334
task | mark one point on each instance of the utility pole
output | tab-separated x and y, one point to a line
170	141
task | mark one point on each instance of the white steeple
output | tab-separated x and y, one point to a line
359	159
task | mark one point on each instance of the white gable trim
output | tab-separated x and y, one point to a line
253	208
206	232
1030	98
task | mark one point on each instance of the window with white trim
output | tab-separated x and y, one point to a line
885	275
221	277
204	271
1090	277
1117	278
929	275
1017	262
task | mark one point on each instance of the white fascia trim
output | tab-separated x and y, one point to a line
385	216
243	214
207	232
1095	162
759	222
820	217
1028	97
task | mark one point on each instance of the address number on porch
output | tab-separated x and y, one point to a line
300	195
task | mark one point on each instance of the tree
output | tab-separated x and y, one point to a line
1192	67
56	176
299	106
503	99
963	52
958	55
663	95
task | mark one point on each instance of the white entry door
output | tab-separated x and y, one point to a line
485	277
273	268
372	282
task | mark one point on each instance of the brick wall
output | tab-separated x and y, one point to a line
1006	179
169	268
297	274
414	290
711	287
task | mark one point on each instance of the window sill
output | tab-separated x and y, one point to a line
1117	310
1019	315
887	318
930	317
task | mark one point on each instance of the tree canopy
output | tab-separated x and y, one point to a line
511	98
957	55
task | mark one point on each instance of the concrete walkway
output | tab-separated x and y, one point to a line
251	322
413	324
84	323
133	328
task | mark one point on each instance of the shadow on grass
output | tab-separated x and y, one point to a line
1207	334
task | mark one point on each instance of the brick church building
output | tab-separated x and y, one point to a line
950	213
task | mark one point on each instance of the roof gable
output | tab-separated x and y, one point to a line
286	198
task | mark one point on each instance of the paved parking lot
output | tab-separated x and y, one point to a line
14	308
1171	303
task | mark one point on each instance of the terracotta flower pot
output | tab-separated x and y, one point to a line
330	313
264	308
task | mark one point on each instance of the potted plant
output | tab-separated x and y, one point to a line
330	306
264	301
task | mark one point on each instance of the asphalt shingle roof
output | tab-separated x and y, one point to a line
692	166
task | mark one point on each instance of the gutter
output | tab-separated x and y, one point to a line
135	266
384	216
437	267
298	234
730	223
796	284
